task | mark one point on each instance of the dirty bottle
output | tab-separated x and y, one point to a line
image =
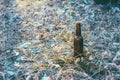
78	41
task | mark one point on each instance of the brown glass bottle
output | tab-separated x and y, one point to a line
78	41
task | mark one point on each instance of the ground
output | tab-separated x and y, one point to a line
36	40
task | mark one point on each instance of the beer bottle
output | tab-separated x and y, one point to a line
78	41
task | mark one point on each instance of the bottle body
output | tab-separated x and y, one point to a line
78	46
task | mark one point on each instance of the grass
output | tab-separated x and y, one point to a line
46	48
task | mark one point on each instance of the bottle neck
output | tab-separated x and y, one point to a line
78	29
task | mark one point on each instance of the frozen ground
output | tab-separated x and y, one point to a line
36	40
